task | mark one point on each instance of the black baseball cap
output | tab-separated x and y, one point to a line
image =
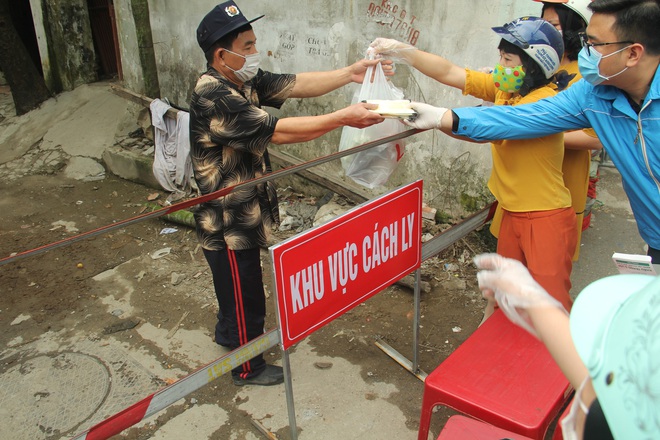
222	19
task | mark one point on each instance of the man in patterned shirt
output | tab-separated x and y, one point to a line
229	135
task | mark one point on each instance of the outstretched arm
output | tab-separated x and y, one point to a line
429	117
447	124
527	303
306	128
429	64
438	68
548	116
312	84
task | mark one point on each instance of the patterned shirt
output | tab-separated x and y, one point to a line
229	135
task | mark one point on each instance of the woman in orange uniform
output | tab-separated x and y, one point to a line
538	222
570	17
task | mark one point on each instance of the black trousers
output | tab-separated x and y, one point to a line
655	255
238	284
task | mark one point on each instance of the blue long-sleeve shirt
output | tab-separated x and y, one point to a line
632	140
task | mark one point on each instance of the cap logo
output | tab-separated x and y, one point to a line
232	11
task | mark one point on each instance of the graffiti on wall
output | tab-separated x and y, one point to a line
311	44
401	22
287	43
317	46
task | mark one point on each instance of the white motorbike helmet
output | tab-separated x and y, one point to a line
581	7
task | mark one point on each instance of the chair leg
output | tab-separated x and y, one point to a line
425	420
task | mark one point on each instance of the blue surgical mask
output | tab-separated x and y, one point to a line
589	65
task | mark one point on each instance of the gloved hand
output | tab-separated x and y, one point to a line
427	116
393	50
513	287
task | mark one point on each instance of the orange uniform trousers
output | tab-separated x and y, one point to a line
544	241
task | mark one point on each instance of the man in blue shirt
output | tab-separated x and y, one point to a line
619	97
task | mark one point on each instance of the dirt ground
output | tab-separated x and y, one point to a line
57	291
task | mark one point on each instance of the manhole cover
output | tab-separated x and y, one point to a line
47	395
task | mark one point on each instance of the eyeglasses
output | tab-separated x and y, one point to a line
584	41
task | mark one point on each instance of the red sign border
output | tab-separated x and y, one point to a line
312	233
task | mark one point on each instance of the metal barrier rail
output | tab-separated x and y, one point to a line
170	394
162	399
167	396
430	249
205	198
445	239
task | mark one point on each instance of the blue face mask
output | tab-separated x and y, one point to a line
589	62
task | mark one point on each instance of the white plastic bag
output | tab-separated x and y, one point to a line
372	167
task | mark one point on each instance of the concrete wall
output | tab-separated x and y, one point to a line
128	46
307	35
42	41
65	43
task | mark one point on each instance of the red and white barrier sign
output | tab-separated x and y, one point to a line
328	270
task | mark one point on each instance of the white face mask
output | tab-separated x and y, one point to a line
250	67
569	423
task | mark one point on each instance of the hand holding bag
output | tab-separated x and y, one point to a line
372	167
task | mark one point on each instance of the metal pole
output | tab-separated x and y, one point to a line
286	364
415	363
288	387
430	249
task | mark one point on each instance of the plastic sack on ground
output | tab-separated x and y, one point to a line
372	167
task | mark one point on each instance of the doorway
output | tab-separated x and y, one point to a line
104	34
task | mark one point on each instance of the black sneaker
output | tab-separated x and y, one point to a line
272	375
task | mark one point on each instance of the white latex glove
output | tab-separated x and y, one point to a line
513	287
427	116
392	49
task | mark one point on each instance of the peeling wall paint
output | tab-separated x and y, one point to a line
315	35
128	46
65	43
42	42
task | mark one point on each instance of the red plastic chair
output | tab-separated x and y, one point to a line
465	428
501	375
558	434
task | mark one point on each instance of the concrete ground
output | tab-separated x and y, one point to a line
613	229
337	403
61	383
